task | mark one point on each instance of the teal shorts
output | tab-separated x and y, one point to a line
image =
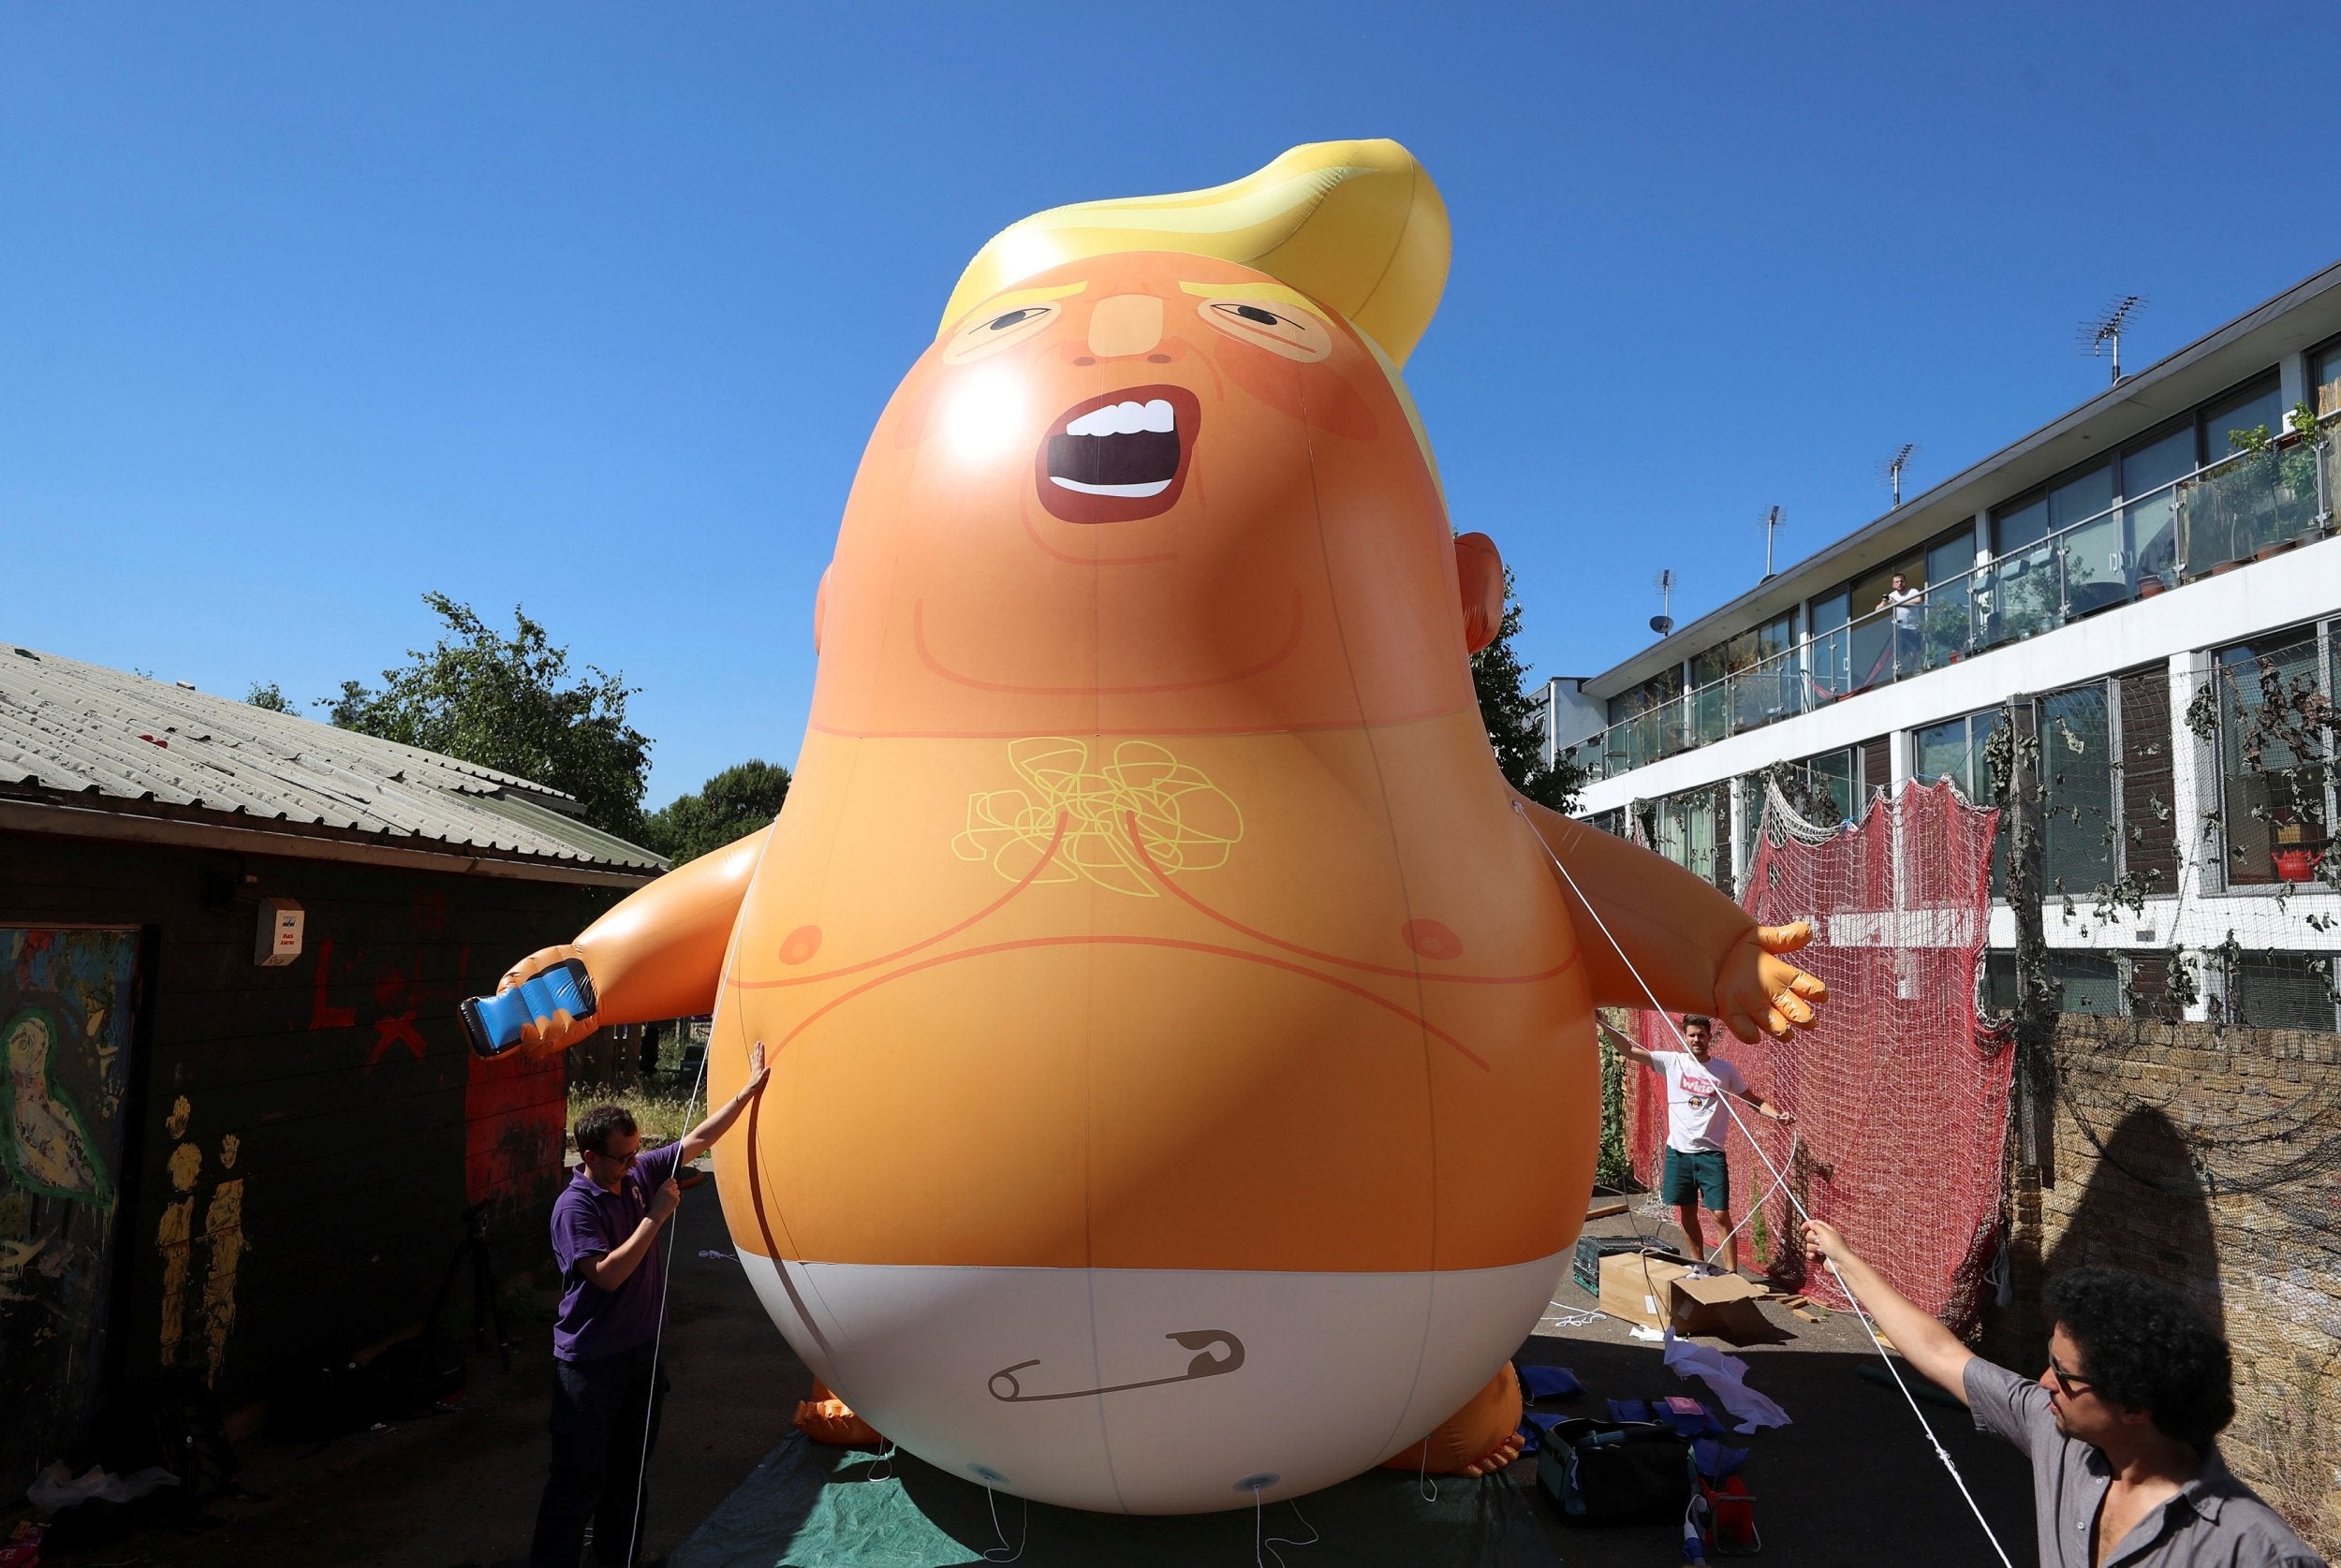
1704	1178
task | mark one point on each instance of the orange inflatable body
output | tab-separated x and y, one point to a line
1183	1082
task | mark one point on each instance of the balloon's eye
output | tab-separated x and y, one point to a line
988	334
1291	332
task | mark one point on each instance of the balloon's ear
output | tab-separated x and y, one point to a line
820	603
1479	572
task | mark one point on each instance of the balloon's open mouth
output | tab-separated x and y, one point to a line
1120	457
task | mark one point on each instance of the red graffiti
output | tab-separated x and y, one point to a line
323	1013
398	1002
396	1028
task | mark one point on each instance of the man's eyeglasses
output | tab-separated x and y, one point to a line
2072	1383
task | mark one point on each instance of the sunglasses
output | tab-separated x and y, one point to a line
2072	1383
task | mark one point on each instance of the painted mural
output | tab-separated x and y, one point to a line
65	996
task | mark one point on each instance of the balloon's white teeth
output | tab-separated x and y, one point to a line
1125	419
1135	492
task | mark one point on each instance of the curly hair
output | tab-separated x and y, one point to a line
2145	1346
595	1127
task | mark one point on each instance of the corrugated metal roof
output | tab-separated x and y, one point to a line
102	734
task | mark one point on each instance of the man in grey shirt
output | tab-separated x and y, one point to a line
2119	1428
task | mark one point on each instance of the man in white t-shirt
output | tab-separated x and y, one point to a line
1903	600
1697	1119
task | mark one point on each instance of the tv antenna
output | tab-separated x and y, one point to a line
1891	470
1772	526
2105	331
1663	621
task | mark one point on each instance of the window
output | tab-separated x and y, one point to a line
2024	525
1822	790
1829	662
2324	379
1950	581
1876	655
1685	831
2092	559
1746	680
1658	690
2084	982
2019	526
2282	991
1645	724
1832	772
2148	781
2079	846
1951	556
2259	403
1770	687
2025	595
1953	750
2080	497
2088	983
2275	758
2149	469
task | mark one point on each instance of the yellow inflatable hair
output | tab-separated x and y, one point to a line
1357	225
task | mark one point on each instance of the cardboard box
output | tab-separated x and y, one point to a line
1723	1305
1637	1286
1658	1291
1584	1264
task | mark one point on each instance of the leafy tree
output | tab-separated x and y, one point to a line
268	697
1513	717
509	703
732	805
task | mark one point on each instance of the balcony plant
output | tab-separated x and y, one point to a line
1947	629
2272	492
2029	598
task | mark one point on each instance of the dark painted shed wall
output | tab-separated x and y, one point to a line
364	1126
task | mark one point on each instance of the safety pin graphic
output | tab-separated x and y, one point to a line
1221	1353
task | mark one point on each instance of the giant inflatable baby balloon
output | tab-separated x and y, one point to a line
1183	1073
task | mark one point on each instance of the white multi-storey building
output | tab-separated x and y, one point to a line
2130	579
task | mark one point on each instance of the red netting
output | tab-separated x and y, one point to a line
1900	1096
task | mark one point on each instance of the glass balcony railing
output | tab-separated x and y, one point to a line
2252	507
2247	506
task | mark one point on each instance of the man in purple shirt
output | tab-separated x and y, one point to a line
607	1388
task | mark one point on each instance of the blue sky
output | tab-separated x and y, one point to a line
305	310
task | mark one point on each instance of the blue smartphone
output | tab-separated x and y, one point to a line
495	1023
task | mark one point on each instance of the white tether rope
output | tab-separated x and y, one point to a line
666	1283
1940	1452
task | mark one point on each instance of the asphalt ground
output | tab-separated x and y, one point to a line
1850	1480
461	1487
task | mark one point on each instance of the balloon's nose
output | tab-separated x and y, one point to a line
1124	324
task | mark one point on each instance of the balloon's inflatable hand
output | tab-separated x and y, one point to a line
560	1029
1756	990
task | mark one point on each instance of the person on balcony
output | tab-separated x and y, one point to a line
1904	601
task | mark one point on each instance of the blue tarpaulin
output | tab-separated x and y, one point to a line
819	1506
